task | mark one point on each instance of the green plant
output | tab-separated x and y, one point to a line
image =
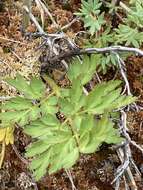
108	60
135	15
134	1
112	7
128	36
91	16
129	32
87	119
103	40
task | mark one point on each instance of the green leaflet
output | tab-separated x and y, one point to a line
65	92
72	104
40	128
63	156
122	101
87	124
19	83
94	24
75	91
103	131
74	70
129	32
22	117
62	146
89	13
36	131
37	148
66	107
77	122
105	102
52	101
58	137
39	165
17	103
83	72
55	147
37	88
92	146
49	106
34	90
129	36
73	100
50	119
108	61
89	67
100	92
106	38
84	141
34	113
88	143
70	158
48	109
135	16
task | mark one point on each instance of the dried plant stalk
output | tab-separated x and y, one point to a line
26	18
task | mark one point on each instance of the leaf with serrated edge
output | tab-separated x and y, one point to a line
95	96
17	103
50	119
35	150
37	88
75	91
70	158
40	164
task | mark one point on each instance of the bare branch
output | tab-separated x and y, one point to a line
33	19
112	49
48	13
125	156
71	179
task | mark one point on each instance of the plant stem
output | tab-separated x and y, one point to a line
2	153
74	132
52	84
